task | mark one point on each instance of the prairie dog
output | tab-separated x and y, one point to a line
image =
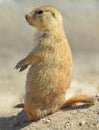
51	66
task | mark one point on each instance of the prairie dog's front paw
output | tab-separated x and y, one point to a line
22	65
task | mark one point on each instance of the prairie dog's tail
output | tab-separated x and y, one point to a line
79	99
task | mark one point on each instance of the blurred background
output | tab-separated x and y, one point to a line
81	24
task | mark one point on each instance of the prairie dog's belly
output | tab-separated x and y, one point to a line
40	75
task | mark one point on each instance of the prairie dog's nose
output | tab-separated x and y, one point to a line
26	16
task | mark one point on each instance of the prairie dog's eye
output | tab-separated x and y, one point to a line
39	12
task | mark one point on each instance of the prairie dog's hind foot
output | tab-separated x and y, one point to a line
20	119
22	65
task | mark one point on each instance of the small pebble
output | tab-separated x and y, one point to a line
67	123
82	122
97	95
46	120
97	120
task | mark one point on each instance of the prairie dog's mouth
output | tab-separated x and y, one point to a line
30	23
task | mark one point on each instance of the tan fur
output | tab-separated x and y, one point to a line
51	65
79	99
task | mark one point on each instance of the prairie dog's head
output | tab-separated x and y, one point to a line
44	18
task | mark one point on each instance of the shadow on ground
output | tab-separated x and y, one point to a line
8	123
84	106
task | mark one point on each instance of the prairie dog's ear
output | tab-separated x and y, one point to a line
54	15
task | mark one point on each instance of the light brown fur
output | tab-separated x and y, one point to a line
51	66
